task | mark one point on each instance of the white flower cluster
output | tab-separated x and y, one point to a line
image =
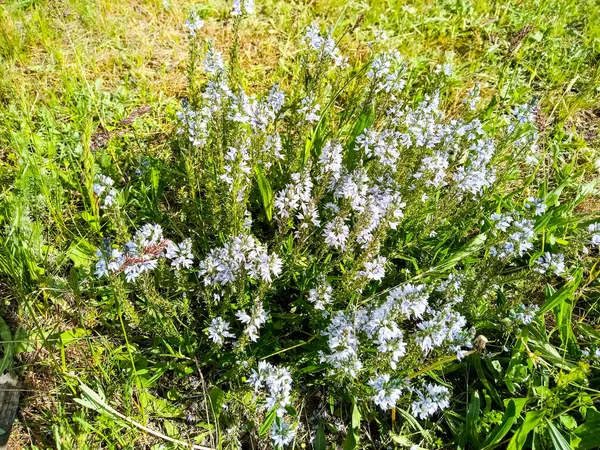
321	295
379	326
390	341
551	263
310	110
343	345
282	433
218	331
253	321
272	150
592	355
237	170
445	327
336	233
374	270
477	175
257	113
180	254
278	383
143	253
385	73
594	230
537	204
196	124
242	256
387	391
412	300
431	399
384	146
103	188
242	6
523	314
324	45
213	61
295	200
194	23
519	236
526	128
330	160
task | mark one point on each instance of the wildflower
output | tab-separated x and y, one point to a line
218	331
194	23
343	345
431	399
594	229
323	45
254	321
310	110
139	255
320	295
524	314
330	160
241	256
551	263
213	60
336	233
520	237
277	381
282	433
436	165
537	204
374	270
296	195
387	392
181	254
104	190
503	221
390	340
273	149
476	175
443	327
412	300
242	6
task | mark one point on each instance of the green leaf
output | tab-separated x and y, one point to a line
588	431
71	336
401	439
351	441
568	421
8	346
266	192
513	410
532	419
81	253
264	428
217	398
562	294
558	441
319	442
470	431
475	245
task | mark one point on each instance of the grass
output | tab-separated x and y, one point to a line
86	84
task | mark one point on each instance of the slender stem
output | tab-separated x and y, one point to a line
438	363
290	348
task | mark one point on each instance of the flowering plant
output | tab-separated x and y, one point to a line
320	249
